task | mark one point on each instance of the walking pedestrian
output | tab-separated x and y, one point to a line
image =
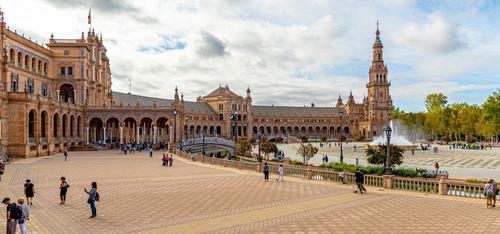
29	191
25	216
170	160
357	162
65	154
63	190
14	213
326	158
436	165
265	169
151	152
488	188
93	197
359	179
281	173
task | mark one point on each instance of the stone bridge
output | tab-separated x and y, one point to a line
196	145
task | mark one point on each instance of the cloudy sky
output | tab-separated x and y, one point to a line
288	52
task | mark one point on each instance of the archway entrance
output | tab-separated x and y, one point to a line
67	93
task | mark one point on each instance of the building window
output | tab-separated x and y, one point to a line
66	52
82	52
14	82
45	92
82	70
63	71
31	85
70	71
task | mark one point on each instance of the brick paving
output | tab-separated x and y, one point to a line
138	195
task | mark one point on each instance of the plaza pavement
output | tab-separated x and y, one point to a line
138	195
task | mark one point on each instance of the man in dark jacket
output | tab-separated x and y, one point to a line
360	179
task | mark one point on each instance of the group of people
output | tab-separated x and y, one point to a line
19	213
325	159
281	172
167	160
470	146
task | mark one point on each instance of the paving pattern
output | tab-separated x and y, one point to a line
138	195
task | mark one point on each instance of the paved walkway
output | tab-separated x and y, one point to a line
140	196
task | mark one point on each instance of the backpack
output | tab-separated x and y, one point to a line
16	212
97	197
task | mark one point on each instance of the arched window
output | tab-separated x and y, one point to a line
11	56
19	59
45	66
39	67
26	62
379	57
33	67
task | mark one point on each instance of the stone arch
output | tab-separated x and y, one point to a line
198	130
205	130
218	131
72	126
324	131
346	130
39	66
112	130
303	130
296	130
79	127
191	131
146	130
45	68
67	93
254	130
32	122
212	131
33	64
163	130
96	130
55	123
44	124
64	125
332	131
310	130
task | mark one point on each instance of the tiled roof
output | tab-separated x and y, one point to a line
296	111
221	91
131	99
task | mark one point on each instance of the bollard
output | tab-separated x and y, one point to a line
443	186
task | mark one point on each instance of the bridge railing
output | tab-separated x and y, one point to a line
208	140
441	186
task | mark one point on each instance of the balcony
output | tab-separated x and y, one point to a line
32	141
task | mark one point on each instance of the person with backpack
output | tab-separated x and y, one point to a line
359	179
265	169
29	192
93	197
14	214
25	216
63	190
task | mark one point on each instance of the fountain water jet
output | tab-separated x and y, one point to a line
396	138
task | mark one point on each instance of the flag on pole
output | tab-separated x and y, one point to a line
90	17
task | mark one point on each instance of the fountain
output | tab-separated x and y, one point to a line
396	139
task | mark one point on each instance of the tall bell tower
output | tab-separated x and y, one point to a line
379	99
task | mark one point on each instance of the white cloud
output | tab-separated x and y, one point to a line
289	52
438	34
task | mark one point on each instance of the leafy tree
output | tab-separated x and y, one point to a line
245	146
377	155
323	138
268	148
307	152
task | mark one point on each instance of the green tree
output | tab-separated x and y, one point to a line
377	155
491	116
307	152
268	148
245	147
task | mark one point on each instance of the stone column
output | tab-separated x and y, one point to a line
87	130
154	135
388	181
104	141
443	186
137	139
121	135
95	135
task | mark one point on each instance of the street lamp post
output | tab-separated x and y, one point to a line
341	152
260	158
203	143
234	117
388	166
175	128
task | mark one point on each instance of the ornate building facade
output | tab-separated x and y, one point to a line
59	95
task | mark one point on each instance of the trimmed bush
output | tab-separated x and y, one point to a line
296	162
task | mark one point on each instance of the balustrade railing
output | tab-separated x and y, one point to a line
32	141
415	185
43	140
462	189
421	185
